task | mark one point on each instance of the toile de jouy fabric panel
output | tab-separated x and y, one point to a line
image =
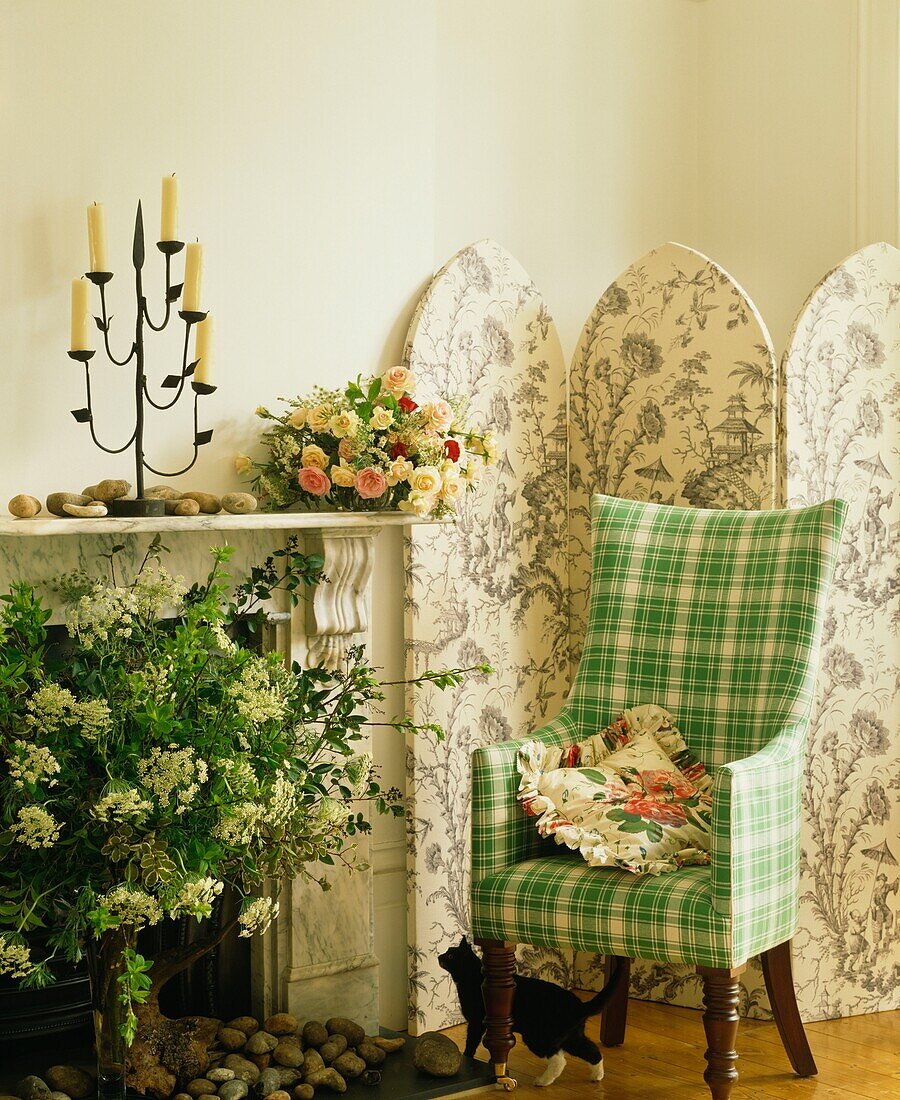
672	398
491	588
842	369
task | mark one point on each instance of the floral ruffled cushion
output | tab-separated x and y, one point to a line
632	796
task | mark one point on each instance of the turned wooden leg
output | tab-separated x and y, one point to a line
776	966
499	966
721	995
612	1022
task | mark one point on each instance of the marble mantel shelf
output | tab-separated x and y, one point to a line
223	521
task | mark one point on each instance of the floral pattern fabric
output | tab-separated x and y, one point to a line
843	439
629	807
486	588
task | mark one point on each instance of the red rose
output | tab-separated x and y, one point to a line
407	405
663	813
399	451
451	449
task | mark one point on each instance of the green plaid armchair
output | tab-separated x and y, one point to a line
716	616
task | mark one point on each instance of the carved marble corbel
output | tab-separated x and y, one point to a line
337	614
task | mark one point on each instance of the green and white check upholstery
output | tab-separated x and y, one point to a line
716	616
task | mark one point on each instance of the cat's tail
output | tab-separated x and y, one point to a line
597	1003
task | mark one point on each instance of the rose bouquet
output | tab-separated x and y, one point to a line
370	446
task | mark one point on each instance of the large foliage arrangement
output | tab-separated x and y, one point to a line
370	446
155	759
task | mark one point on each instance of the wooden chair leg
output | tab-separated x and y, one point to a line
721	996
612	1022
499	986
776	967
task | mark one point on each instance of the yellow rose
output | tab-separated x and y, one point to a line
398	381
491	451
382	418
427	479
317	418
343	424
314	456
243	464
399	470
298	417
341	475
262	411
421	504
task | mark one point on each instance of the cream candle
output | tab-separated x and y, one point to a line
80	316
193	273
97	236
168	222
203	351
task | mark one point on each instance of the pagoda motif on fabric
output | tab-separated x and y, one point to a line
737	429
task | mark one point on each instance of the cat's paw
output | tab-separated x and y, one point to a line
597	1072
555	1065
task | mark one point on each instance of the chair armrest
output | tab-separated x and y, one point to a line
756	818
502	834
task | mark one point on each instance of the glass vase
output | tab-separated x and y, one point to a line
106	964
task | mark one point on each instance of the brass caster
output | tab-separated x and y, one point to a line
506	1084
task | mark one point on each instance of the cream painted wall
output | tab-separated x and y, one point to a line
798	141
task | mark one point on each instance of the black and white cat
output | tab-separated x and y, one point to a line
549	1018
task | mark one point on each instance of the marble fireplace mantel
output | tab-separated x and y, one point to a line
318	959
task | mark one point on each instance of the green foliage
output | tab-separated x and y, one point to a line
158	759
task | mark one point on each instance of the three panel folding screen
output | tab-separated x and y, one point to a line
674	394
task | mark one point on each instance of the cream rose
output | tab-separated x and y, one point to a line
440	415
382	418
452	489
421	504
371	483
342	476
343	424
243	464
313	455
318	418
399	470
398	381
427	479
474	470
298	417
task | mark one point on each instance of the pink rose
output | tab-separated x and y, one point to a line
313	480
370	483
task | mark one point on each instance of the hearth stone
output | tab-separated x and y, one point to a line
400	1079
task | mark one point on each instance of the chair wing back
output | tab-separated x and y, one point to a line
715	615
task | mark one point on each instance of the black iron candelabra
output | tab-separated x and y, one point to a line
140	506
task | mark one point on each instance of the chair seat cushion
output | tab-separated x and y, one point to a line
558	901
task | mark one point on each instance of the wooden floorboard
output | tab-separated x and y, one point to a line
662	1059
